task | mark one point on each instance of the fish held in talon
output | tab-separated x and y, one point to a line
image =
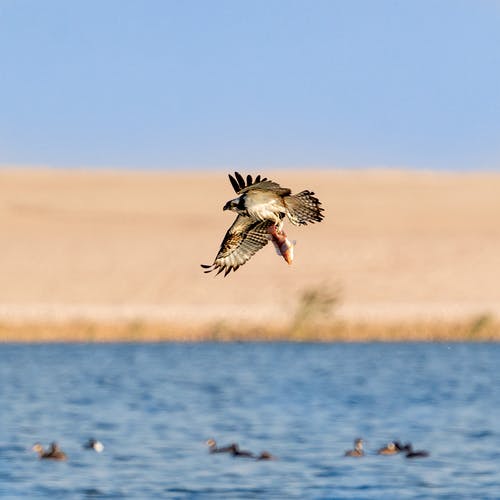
282	244
53	453
262	206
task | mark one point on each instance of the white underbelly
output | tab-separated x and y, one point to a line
266	211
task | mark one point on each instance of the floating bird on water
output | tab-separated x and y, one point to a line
53	453
265	455
236	452
262	206
392	448
213	448
94	444
234	449
357	451
411	453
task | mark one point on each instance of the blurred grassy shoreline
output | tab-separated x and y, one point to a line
482	328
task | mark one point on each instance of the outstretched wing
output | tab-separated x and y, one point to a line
303	208
240	185
243	239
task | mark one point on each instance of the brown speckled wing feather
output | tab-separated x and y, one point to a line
243	239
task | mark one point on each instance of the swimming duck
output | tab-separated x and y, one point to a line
357	451
53	453
94	444
213	448
411	453
401	447
236	452
390	449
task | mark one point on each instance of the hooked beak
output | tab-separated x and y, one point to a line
227	206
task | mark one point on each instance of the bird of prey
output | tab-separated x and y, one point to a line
261	205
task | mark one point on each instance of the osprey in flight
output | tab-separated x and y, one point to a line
261	206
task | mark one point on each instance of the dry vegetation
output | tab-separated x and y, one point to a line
477	329
313	321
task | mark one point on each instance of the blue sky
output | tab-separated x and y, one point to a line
223	84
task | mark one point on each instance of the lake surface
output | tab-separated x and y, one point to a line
154	406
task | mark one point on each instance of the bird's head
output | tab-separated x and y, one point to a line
38	448
232	205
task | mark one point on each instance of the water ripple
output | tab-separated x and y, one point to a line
154	406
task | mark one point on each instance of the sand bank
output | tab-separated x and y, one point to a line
124	247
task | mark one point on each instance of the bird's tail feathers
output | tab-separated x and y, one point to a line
303	208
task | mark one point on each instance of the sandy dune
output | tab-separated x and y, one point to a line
125	245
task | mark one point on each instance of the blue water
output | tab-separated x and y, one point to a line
154	405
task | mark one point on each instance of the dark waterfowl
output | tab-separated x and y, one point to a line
265	455
213	448
94	444
357	451
401	447
53	453
411	453
236	452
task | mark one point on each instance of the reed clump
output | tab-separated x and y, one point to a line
315	307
